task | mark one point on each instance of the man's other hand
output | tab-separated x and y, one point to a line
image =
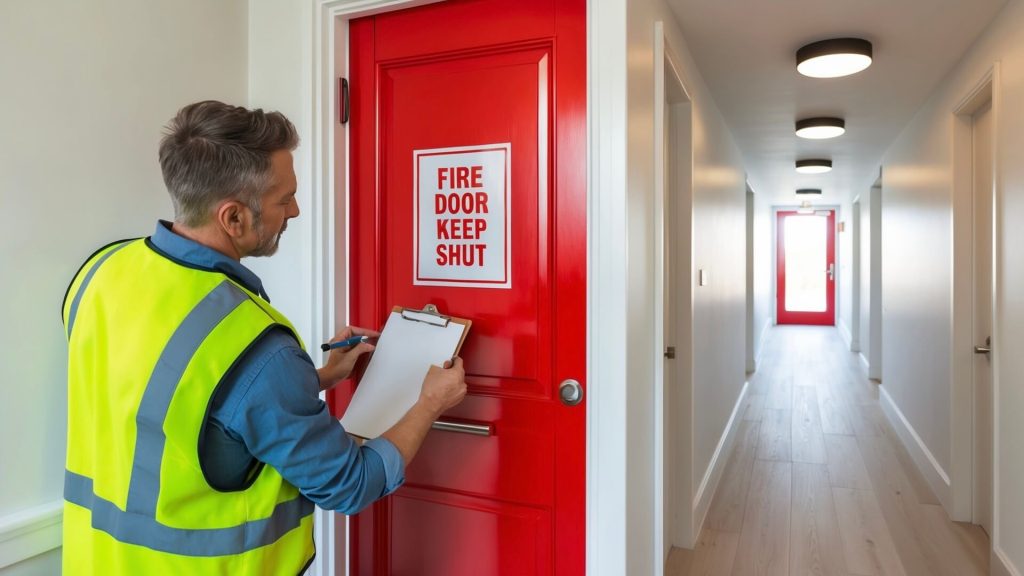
443	388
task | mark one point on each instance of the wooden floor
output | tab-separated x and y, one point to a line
818	482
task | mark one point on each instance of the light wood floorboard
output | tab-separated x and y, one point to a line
845	463
764	541
818	482
814	536
776	441
808	440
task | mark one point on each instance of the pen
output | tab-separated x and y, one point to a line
344	343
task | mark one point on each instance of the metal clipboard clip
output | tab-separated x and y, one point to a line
429	315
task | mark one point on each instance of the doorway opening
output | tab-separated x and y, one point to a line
855	285
806	267
975	394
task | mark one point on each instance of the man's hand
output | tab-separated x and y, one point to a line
443	388
341	360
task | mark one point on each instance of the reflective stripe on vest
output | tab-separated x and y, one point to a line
145	531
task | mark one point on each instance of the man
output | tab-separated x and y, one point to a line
197	443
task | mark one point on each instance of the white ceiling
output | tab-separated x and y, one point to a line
746	52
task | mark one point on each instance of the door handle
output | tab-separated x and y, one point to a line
570	392
831	271
986	349
463	428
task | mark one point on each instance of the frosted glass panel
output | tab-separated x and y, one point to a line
806	263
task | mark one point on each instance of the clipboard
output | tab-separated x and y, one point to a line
411	341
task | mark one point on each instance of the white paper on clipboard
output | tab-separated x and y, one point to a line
392	381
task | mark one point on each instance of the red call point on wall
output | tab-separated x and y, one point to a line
462	220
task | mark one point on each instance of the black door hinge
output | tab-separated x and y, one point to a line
343	101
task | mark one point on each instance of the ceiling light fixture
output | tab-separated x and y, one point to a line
820	128
813	166
809	191
834	58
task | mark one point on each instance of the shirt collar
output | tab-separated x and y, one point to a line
193	254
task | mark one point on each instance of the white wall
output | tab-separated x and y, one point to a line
87	88
281	31
719	247
916	280
917	268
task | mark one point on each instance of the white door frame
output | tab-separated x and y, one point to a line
607	497
674	397
855	275
961	489
752	330
873	355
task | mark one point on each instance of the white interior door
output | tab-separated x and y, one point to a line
982	160
674	210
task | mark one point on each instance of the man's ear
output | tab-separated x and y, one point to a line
234	218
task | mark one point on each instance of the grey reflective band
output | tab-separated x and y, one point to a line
144	487
73	311
144	530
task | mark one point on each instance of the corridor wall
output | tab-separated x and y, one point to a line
917	382
87	88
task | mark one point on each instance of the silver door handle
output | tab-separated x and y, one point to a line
570	392
462	427
831	271
986	349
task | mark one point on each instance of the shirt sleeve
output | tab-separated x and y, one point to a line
275	409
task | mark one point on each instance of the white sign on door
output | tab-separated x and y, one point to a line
462	220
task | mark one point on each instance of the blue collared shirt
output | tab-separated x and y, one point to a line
268	410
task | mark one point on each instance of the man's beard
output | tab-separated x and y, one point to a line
267	243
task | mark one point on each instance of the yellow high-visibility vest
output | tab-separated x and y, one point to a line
149	341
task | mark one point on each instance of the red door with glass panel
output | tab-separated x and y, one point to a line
468	173
806	268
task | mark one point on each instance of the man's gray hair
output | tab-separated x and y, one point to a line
212	152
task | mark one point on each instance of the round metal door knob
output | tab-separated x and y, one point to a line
570	392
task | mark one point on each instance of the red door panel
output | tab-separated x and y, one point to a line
826	316
480	73
518	533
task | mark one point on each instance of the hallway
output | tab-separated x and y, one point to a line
818	482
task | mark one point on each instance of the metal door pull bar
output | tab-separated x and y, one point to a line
474	429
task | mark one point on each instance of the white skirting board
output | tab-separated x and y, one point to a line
30	532
864	362
845	333
760	344
937	478
1000	565
708	484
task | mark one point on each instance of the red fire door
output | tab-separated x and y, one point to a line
806	272
468	173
